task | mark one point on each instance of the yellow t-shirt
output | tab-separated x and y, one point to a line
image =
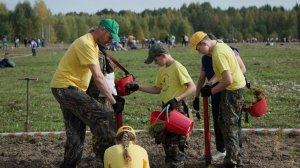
223	58
73	68
172	80
113	157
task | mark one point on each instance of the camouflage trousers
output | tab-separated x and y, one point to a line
173	144
229	122
101	144
80	110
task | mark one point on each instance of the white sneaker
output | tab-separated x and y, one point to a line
218	155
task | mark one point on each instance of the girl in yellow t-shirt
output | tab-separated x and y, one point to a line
126	154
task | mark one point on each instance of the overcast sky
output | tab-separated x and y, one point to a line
92	6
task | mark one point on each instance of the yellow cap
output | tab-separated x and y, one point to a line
197	38
125	128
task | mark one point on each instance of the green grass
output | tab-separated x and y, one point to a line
273	68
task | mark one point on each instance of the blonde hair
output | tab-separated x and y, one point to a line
125	137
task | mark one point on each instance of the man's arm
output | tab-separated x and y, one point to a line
224	83
101	82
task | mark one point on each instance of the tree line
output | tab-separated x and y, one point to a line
232	24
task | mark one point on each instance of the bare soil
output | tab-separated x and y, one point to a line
259	151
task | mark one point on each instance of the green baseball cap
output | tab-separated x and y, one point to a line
156	50
112	26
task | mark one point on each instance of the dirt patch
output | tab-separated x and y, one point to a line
259	151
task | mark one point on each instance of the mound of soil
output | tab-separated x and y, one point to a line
259	151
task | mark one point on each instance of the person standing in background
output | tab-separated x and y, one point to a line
33	47
4	43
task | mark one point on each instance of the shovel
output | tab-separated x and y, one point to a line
26	123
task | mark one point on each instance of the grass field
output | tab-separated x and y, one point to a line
274	68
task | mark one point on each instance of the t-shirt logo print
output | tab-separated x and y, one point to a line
165	82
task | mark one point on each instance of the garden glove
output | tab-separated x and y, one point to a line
196	104
119	105
173	104
206	91
131	87
119	99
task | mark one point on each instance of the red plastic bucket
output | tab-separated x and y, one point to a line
259	109
154	117
120	85
179	123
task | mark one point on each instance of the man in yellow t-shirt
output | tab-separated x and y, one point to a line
232	87
126	153
69	83
175	84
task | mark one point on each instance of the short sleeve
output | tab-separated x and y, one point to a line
183	75
221	62
87	54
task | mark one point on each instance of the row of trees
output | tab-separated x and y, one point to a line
231	24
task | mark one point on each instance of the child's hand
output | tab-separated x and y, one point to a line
172	104
131	87
206	91
196	104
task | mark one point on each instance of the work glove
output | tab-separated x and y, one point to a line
119	105
119	99
173	104
196	104
131	87
206	91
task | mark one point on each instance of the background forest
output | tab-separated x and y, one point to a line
232	25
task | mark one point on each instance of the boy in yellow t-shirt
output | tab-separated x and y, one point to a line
232	87
175	84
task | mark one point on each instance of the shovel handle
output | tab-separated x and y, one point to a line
206	132
119	118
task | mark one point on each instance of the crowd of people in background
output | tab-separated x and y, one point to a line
128	43
32	43
131	43
15	43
